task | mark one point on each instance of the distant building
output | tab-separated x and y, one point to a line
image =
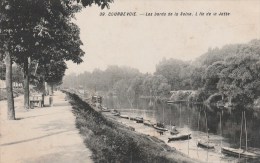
15	84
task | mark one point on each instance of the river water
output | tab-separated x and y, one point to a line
224	126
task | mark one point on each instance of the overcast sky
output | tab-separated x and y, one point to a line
141	42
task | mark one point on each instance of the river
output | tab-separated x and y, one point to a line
224	126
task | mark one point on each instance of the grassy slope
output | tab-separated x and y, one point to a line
111	141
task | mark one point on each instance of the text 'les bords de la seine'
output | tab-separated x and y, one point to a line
165	14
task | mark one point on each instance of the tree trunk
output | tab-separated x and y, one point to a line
50	89
9	88
26	84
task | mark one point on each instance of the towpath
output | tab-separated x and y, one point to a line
41	135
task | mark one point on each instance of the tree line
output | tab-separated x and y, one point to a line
230	74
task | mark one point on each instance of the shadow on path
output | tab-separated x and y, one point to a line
32	139
21	118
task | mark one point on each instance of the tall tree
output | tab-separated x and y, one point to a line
24	23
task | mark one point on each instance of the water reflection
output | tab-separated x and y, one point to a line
223	125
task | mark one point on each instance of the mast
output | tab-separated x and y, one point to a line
199	120
241	130
206	121
221	128
245	128
180	114
163	114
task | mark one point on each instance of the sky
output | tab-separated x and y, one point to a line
143	41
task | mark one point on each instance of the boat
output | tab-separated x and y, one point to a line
238	152
180	137
160	126
148	123
253	150
132	118
174	132
205	144
139	119
104	109
115	112
124	116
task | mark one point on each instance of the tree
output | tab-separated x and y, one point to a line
239	81
156	85
23	21
5	48
197	78
2	70
211	76
52	73
175	71
9	88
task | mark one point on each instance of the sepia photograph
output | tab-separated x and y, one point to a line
129	81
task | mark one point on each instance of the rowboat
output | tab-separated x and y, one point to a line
115	112
104	109
253	150
205	144
180	137
139	119
174	132
148	123
132	118
238	152
160	128
124	116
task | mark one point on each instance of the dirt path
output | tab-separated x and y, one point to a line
44	135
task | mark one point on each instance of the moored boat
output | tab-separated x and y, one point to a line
104	109
180	137
148	123
139	119
132	118
160	127
174	132
238	152
115	112
124	116
205	144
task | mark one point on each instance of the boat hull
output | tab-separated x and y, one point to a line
139	120
116	114
174	132
180	137
160	128
148	123
124	116
205	145
238	153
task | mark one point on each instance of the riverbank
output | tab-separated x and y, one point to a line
111	141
